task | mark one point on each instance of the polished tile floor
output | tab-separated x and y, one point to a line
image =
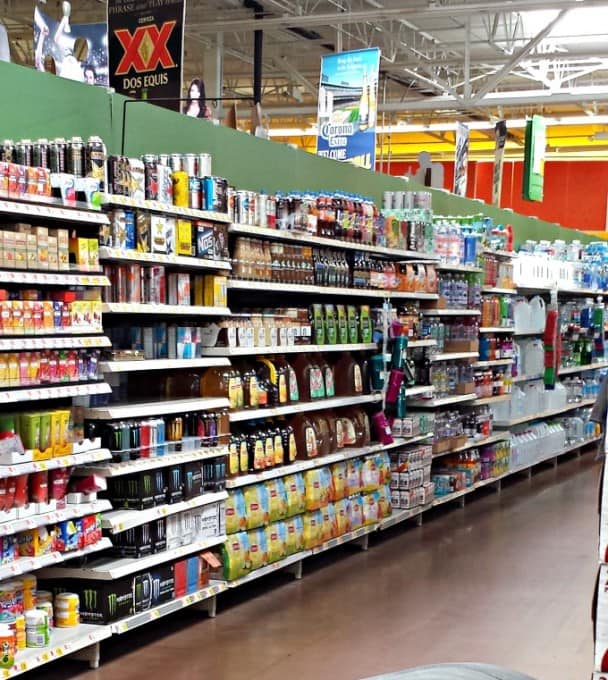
508	580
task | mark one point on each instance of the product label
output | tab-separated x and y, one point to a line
282	389
358	380
278	450
233	459
317	388
253	392
330	390
243	457
259	455
350	436
293	449
269	451
311	442
339	434
294	392
235	393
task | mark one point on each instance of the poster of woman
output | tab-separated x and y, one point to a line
196	104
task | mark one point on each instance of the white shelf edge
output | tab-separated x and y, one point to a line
8	344
496	329
69	512
284	349
166	208
450	312
160	364
492	400
50	208
70	460
452	356
398	516
25	277
269	569
500	253
418	389
53	392
153	408
118	254
444	401
112	568
121	520
140	619
498	290
493	362
152	463
159	310
544	414
583	368
465	268
525	378
345	538
492	439
421	343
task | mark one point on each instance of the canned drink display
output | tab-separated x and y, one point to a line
175	162
194	193
180	189
216	194
151	176
189	164
23	152
387	200
8	152
118	226
130	230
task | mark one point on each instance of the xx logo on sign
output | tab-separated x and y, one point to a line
145	49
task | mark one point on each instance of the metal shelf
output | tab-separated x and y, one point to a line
584	367
465	268
544	414
25	277
492	400
53	392
69	512
165	208
452	356
450	312
303	407
153	408
25	564
121	520
112	568
493	362
152	463
492	439
421	343
285	349
269	569
444	401
40	342
345	538
495	329
304	238
499	291
120	255
500	253
49	208
399	516
525	378
160	310
418	389
137	620
275	287
159	364
53	463
64	641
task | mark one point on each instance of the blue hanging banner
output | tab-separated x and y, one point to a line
348	95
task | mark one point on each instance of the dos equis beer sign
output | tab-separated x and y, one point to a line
145	45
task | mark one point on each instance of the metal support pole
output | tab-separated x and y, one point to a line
90	654
208	605
362	542
295	569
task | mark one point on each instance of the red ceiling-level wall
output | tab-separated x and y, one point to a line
575	192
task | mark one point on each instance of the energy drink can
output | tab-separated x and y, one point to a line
57	155
133	283
175	161
164	158
189	164
216	194
240	206
8	152
40	153
387	200
194	193
118	221
180	189
203	165
130	242
120	284
23	152
95	158
159	425
75	157
151	177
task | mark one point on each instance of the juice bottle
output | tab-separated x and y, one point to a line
347	376
223	382
305	434
293	392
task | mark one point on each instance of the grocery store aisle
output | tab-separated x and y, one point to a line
508	581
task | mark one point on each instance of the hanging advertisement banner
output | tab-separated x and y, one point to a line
500	132
461	159
73	51
346	118
145	46
534	159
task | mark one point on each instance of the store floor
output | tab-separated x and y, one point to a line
508	580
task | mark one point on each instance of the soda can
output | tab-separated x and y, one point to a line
118	229
133	284
8	152
189	164
230	194
164	158
175	161
387	200
23	152
240	206
194	193
180	188
260	210
95	158
216	190
40	153
253	208
130	242
75	157
160	436
398	200
203	165
120	283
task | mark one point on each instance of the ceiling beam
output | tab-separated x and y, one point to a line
419	11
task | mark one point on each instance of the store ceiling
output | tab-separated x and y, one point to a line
442	61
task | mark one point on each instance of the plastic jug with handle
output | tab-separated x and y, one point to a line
521	315
538	313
